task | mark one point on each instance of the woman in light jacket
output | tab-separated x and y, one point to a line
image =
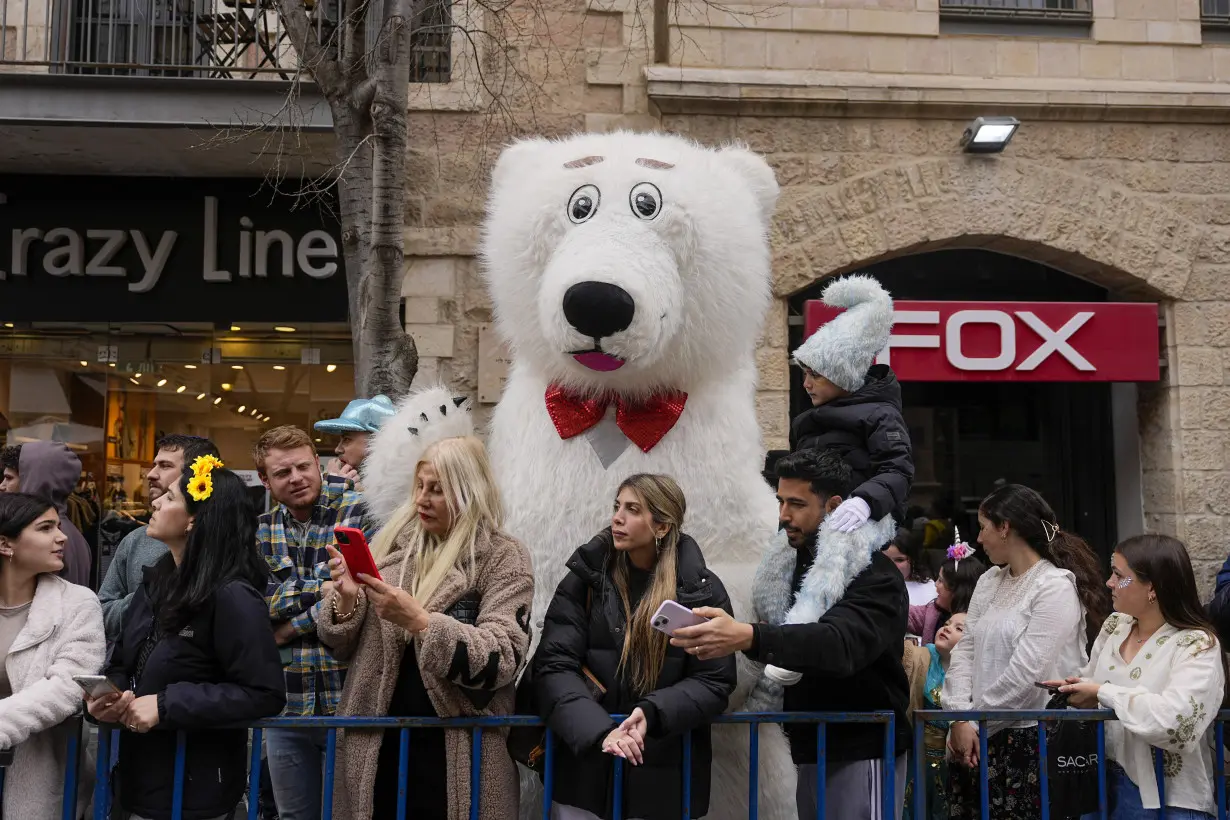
1031	618
443	635
599	626
1157	663
50	630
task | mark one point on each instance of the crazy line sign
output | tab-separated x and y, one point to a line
1016	341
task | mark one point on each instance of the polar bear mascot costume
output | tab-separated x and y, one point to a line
630	276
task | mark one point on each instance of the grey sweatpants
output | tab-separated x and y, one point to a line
853	790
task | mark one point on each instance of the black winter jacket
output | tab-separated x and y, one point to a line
851	662
689	693
866	428
222	669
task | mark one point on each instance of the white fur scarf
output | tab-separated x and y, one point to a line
840	558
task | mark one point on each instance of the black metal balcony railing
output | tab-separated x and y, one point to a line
188	38
1052	10
1215	13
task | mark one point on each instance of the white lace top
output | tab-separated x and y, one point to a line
1019	631
1168	697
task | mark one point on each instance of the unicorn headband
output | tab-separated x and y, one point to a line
959	549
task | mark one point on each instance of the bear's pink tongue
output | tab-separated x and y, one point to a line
595	360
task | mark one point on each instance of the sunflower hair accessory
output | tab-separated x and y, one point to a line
201	485
959	549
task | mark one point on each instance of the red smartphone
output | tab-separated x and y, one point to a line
353	546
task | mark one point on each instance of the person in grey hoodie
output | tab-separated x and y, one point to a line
138	550
50	470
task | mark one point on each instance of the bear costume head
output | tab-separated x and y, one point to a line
600	252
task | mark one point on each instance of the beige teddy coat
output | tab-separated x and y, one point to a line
504	582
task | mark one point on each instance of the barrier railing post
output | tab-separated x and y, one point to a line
753	771
984	787
687	775
102	774
254	774
1044	771
326	806
1219	735
1103	803
548	778
68	808
177	789
476	770
1159	772
403	771
619	789
920	771
822	769
890	767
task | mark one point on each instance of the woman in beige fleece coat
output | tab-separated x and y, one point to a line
444	634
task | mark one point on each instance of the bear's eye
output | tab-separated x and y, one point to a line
646	200
583	204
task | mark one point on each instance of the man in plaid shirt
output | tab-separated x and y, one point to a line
293	538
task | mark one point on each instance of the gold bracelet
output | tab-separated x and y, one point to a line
339	618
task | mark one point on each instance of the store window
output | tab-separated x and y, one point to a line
109	392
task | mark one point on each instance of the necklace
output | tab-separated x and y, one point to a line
1136	628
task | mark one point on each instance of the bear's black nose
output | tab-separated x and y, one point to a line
598	309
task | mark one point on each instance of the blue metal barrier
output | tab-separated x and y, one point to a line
1043	717
109	740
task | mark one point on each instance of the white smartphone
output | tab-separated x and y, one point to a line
96	686
673	615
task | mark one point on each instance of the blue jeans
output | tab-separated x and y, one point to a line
1123	801
296	768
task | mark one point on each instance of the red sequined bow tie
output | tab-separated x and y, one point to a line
644	423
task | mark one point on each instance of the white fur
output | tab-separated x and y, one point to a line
840	558
844	349
388	470
699	275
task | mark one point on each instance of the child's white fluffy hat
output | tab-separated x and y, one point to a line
844	349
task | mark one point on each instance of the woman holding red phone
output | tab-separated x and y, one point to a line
443	635
599	629
50	630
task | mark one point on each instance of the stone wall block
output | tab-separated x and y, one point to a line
773	412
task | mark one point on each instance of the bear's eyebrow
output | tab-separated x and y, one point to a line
656	164
584	162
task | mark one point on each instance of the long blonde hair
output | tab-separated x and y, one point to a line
473	502
645	647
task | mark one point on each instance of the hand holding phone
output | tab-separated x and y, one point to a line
672	615
1049	686
353	546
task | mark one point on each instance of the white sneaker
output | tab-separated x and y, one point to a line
783	676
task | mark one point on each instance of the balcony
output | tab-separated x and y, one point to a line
214	39
183	87
1058	11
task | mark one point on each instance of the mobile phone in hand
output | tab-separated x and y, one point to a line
1050	687
96	686
672	615
353	547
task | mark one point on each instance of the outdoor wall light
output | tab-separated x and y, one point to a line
989	135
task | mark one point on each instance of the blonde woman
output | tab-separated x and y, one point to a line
599	655
441	636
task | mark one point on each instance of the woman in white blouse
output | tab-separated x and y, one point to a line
1031	618
1158	664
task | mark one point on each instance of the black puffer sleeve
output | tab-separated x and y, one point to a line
567	706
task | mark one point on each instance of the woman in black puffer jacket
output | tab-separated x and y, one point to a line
641	561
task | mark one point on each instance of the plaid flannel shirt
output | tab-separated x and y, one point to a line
313	678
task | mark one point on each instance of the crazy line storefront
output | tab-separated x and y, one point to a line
134	307
1064	375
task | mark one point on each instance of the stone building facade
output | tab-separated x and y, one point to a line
1119	175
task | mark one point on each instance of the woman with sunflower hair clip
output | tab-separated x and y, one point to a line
196	652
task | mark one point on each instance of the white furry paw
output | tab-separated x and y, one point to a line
782	676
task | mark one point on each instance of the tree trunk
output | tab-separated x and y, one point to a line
386	357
